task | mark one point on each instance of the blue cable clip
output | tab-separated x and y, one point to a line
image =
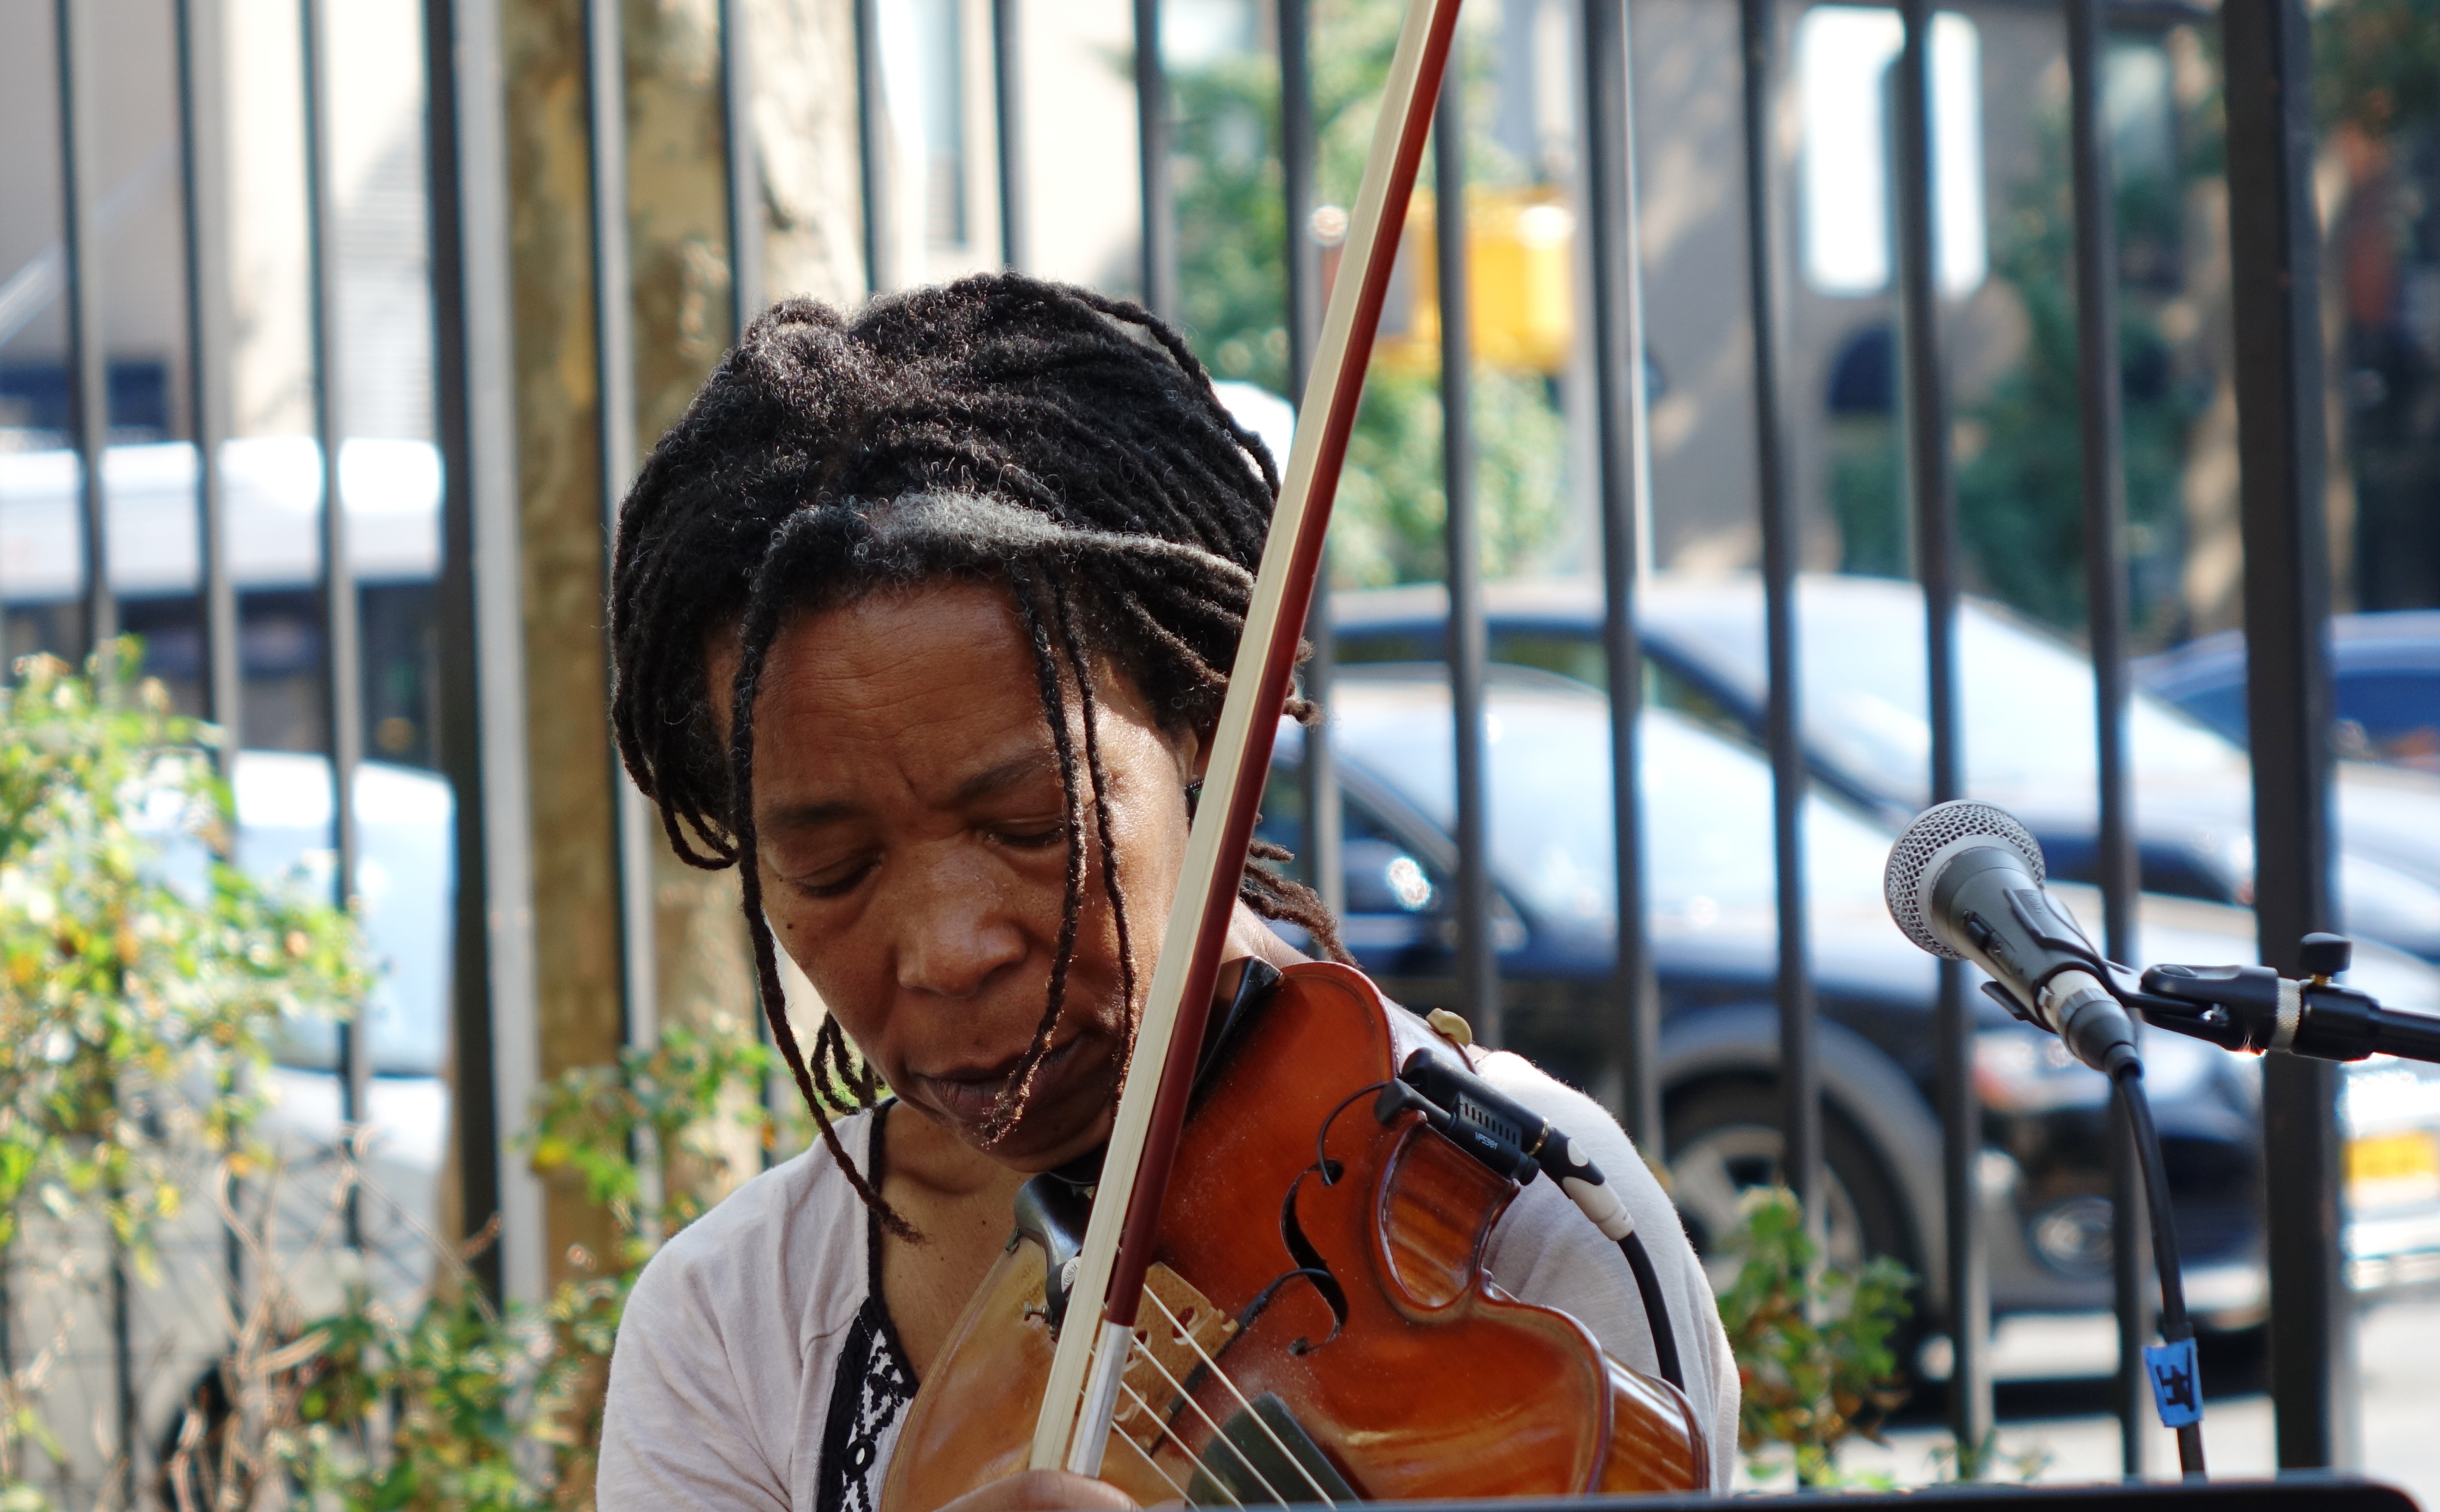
2177	1382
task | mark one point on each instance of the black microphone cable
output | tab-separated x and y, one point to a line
2176	1377
1513	1139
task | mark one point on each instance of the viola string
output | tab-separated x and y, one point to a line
1213	1365
1154	1465
1196	1408
1192	1458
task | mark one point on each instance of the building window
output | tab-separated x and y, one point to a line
1846	210
940	46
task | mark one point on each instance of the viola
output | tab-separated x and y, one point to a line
1281	1299
1317	1324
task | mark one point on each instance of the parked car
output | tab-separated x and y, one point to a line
2385	668
405	876
2027	724
1707	817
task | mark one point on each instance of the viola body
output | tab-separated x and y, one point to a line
1317	1322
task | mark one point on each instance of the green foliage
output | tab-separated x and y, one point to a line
1233	236
1956	1462
461	1380
679	1101
2019	489
1812	1342
2377	64
464	1406
2020	496
142	977
135	1002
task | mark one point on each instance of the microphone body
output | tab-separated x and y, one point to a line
1965	882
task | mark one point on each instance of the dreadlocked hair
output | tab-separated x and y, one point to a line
1063	446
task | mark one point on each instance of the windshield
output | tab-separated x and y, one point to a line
2028	699
1707	803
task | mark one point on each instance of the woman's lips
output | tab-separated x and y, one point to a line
971	1095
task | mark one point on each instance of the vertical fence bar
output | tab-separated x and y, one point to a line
614	361
2275	291
1323	824
1800	1072
480	738
871	155
2104	586
1619	412
1477	952
204	191
1008	102
1935	524
122	1350
88	371
743	164
1297	165
203	184
1157	182
742	167
342	661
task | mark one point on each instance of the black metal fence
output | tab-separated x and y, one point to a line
476	672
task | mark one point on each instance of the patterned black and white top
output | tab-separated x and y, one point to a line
870	1391
758	1371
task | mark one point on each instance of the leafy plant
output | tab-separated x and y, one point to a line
2377	64
142	977
464	1405
2020	485
1812	1342
141	973
1956	1462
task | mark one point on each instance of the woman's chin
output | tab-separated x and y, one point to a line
1051	1138
1068	1110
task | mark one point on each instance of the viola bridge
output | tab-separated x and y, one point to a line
1180	1333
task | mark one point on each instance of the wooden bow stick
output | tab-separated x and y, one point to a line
1084	1375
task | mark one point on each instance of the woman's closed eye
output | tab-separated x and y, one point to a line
1029	833
834	877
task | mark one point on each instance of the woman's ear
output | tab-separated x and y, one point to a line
1193	749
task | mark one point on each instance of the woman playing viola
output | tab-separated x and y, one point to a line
924	621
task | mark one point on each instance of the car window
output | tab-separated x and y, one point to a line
1380	872
1707	803
1383	876
2028	712
1567	652
404	881
2390	706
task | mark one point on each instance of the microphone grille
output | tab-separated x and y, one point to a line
1933	831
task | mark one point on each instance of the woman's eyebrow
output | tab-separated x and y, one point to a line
990	783
999	779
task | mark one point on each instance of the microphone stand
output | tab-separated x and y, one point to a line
2242	1008
2252	1007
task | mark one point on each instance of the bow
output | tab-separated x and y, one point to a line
1086	1373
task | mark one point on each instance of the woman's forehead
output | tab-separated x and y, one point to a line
912	651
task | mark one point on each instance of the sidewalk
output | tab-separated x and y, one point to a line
2399	1349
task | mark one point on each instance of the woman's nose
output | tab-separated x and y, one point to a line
957	930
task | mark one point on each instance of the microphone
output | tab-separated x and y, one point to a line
1964	882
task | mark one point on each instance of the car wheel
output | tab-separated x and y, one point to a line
1724	1142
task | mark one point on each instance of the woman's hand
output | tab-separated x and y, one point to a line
1043	1491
